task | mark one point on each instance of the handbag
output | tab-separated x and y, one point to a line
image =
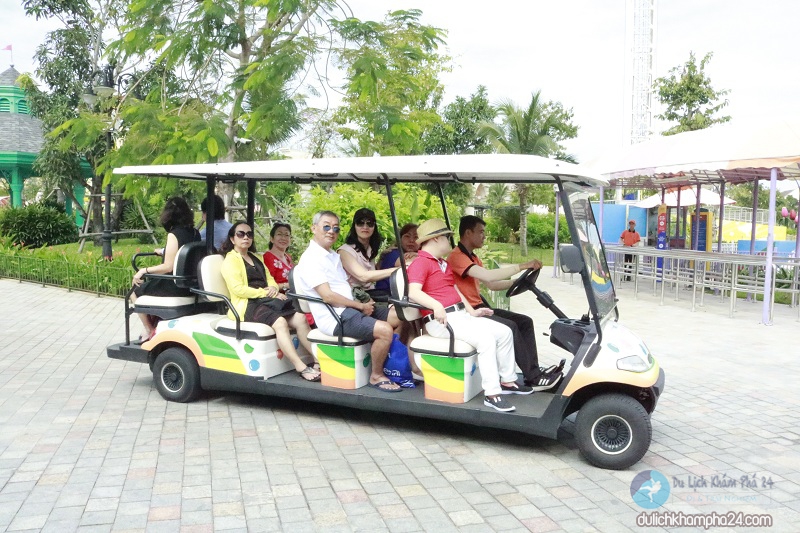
398	367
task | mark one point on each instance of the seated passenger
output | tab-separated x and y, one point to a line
320	274
178	219
256	296
469	272
360	252
431	283
278	261
391	257
221	226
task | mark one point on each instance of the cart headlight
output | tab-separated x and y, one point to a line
634	363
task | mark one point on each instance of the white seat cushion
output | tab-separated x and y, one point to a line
164	301
262	330
317	336
436	346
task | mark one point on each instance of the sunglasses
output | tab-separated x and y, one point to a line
243	234
326	228
367	223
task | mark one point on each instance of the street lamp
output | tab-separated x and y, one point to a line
104	85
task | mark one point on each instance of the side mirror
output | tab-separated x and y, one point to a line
571	259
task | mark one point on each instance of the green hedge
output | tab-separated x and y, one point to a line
37	225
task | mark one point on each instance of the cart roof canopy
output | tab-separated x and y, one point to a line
477	168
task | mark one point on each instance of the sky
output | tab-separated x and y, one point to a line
574	52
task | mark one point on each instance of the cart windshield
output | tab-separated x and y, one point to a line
597	277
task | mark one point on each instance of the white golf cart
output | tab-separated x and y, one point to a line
612	381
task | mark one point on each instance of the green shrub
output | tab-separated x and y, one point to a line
131	219
542	230
36	225
497	231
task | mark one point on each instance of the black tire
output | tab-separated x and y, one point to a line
613	431
176	375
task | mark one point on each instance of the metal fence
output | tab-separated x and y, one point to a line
728	275
100	279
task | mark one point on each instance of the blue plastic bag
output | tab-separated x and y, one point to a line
398	367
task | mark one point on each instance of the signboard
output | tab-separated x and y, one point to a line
661	234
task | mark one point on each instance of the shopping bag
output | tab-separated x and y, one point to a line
398	367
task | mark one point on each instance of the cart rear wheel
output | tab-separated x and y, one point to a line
613	431
176	375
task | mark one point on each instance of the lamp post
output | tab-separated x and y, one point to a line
104	85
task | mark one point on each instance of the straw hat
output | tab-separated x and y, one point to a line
432	228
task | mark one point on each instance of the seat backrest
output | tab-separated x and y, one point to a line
210	277
300	305
186	263
397	286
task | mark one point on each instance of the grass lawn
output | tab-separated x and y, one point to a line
123	251
510	253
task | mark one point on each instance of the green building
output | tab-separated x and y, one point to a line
21	139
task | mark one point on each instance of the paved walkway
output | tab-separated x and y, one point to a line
86	443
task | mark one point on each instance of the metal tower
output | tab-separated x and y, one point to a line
640	38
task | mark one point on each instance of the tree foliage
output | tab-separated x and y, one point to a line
412	204
393	86
535	130
689	98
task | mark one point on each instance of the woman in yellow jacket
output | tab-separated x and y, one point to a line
255	295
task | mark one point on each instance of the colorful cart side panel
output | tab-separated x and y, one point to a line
450	379
222	352
344	367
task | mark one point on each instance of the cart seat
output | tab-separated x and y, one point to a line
451	377
211	281
344	364
184	272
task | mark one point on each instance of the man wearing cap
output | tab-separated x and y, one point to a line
320	274
431	283
469	272
630	238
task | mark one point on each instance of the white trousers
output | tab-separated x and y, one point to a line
492	340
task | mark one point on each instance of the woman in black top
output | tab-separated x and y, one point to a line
178	219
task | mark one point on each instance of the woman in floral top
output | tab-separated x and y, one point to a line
277	260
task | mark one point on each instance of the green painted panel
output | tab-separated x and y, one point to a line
211	345
341	354
452	366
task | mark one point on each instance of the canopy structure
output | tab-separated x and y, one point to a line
476	168
688	196
728	153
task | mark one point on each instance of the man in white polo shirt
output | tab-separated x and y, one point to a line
320	274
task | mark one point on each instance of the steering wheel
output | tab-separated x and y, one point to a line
524	282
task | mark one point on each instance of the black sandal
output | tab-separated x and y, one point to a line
308	371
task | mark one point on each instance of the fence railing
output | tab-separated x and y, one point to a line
101	279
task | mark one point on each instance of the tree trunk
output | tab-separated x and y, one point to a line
522	190
97	208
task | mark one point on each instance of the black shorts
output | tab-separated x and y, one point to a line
358	325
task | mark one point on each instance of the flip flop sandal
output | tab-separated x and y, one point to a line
381	384
309	374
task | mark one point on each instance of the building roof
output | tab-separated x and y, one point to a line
8	78
20	133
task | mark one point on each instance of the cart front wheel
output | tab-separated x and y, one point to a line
613	431
176	375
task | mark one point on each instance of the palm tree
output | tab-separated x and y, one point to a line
498	192
534	131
